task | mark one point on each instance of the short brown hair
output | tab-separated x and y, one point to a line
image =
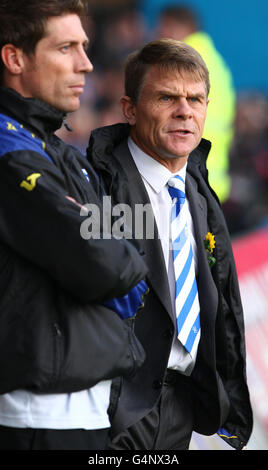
23	22
167	54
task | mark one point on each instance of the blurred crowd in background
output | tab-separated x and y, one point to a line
115	30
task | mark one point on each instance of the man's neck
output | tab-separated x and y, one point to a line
172	163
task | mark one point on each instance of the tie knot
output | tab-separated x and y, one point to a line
176	188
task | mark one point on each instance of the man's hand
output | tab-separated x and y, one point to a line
128	305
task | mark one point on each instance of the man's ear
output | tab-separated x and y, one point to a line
129	110
13	58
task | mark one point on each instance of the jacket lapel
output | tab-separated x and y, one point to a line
136	193
198	207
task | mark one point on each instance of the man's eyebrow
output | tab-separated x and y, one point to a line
200	94
73	41
173	92
166	91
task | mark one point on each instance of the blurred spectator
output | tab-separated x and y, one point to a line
247	207
110	114
181	23
109	86
118	31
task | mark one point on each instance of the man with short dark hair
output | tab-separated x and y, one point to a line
61	338
194	374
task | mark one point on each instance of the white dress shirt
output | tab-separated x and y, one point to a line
155	177
80	410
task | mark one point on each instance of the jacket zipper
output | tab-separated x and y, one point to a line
57	334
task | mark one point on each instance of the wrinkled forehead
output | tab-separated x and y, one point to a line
166	73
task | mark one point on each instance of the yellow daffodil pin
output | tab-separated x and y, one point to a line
210	243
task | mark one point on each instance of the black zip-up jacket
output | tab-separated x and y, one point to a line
55	334
218	380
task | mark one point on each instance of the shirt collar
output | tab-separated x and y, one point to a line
156	174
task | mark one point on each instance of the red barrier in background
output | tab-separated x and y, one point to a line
251	257
251	252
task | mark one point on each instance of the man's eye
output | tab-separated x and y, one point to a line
165	98
65	48
196	99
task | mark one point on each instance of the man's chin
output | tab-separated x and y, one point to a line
69	106
172	154
180	148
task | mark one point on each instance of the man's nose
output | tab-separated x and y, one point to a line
84	64
183	109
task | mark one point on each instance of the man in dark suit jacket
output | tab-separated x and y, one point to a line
175	392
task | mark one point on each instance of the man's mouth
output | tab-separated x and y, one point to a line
78	87
180	132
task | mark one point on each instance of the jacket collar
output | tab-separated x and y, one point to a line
35	115
104	140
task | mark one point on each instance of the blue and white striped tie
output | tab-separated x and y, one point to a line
187	302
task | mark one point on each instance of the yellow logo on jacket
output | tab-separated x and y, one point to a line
11	127
30	182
